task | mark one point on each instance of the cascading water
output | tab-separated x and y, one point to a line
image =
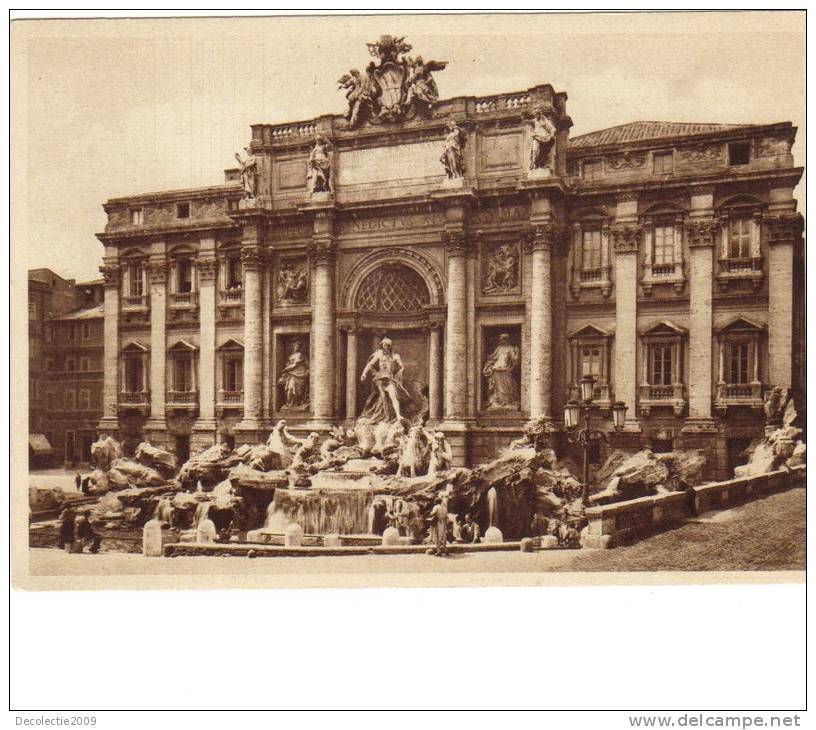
321	512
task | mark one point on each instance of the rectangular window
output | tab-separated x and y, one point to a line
663	163
50	401
593	170
135	280
70	400
49	364
136	217
33	348
184	268
32	310
591	362
70	364
84	399
133	375
232	204
739	358
182	210
233	273
663	249
739	153
660	364
233	374
84	364
49	333
739	238
86	330
183	373
591	250
72	332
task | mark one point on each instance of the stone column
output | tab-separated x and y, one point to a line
435	372
323	339
351	373
626	242
110	388
204	428
783	231
456	327
251	257
701	235
540	321
156	425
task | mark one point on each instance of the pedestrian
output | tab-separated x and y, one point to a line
439	526
78	481
470	530
84	532
66	533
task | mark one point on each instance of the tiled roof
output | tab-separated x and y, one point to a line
636	131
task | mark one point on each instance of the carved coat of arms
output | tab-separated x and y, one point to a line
394	89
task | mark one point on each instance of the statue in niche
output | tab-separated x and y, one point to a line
543	141
501	273
249	173
295	379
452	158
293	282
500	371
391	399
319	166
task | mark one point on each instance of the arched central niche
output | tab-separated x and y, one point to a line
392	288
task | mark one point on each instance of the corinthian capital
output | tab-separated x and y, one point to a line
251	258
701	233
157	271
784	228
111	273
321	251
626	239
206	269
455	242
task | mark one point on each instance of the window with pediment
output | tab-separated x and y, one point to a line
740	236
663	232
590	268
662	368
589	349
740	356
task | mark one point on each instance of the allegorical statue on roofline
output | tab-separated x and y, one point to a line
394	89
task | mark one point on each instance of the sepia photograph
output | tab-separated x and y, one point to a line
408	301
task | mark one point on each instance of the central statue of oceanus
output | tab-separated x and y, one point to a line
391	398
393	90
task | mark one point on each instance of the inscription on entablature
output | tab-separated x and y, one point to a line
286	233
391	223
501	214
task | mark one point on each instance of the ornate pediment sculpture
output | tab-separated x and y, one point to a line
394	89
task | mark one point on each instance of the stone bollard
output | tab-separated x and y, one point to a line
391	536
205	532
493	535
332	541
152	539
527	544
293	537
549	542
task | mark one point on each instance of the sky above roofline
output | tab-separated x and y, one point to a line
114	108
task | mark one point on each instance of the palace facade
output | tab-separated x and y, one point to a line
664	259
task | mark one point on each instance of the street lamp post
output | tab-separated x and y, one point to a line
577	422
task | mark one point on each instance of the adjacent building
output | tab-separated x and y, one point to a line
504	258
65	367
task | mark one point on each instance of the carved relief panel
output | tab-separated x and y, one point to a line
292	281
501	268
